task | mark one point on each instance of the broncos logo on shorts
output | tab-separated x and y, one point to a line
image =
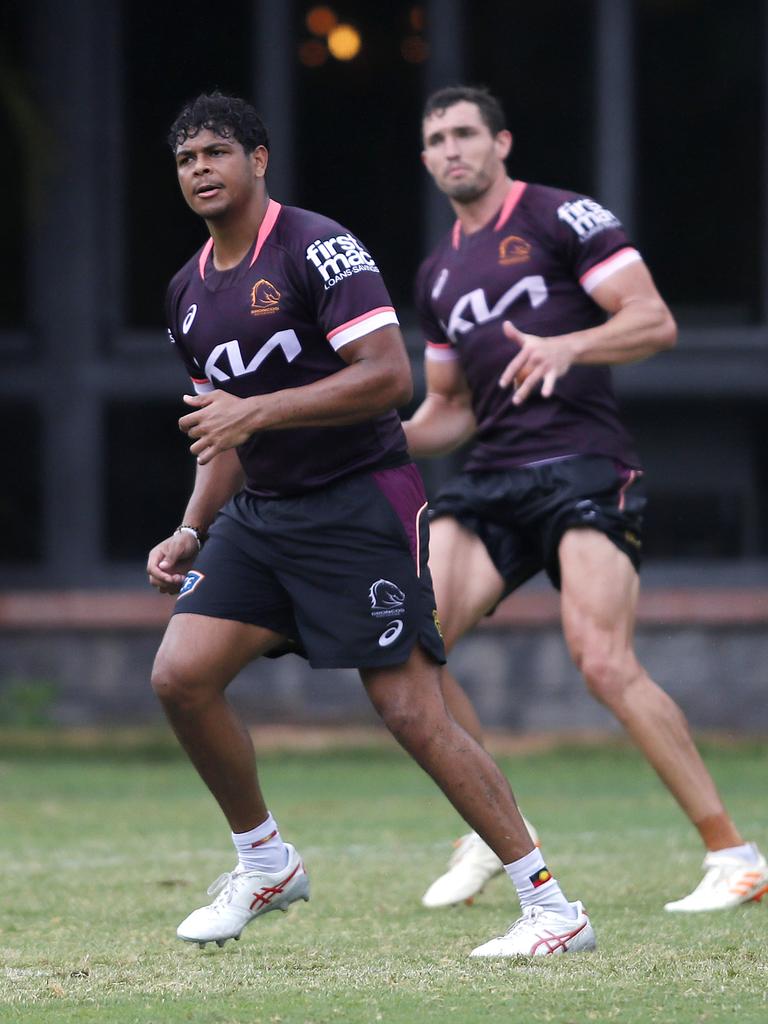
386	597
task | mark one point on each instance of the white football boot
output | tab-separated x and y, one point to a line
541	932
242	896
728	881
472	864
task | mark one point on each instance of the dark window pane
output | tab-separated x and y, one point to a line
538	59
704	525
171	54
19	128
148	476
760	432
358	137
21	496
704	464
699	143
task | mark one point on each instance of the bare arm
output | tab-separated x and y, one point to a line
639	326
377	378
444	420
170	560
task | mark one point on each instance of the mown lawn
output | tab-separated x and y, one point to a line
104	851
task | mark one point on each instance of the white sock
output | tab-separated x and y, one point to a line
536	886
261	848
746	852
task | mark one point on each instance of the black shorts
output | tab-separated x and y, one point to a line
521	514
341	571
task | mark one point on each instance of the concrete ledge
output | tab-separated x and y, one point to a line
678	606
121	609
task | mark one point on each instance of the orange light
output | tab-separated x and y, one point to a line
417	19
414	49
320	20
344	42
313	53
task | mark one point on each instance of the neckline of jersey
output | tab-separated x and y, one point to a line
512	198
265	229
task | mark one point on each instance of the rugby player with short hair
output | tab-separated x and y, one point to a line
306	530
525	306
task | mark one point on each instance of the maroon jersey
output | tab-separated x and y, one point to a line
277	320
534	264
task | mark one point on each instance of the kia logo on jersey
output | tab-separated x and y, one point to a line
229	353
475	304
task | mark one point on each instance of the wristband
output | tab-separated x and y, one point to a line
199	536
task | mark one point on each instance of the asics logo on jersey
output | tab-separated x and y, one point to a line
437	288
189	318
471	310
338	257
586	217
386	599
226	360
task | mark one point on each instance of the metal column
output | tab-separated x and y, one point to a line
614	108
274	74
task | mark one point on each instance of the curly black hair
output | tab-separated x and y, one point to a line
490	109
227	116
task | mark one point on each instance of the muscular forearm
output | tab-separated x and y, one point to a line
376	379
438	426
638	330
352	395
215	483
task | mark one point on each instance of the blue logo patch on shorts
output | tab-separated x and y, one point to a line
191	580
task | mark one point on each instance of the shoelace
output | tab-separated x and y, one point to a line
222	888
530	916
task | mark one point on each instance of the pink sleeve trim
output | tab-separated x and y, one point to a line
270	219
204	257
513	198
361	325
603	270
202	386
439	352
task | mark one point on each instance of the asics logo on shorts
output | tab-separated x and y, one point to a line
386	599
391	633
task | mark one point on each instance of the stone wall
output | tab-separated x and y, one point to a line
520	678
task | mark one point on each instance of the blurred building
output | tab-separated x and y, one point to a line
657	107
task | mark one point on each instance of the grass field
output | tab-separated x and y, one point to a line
104	851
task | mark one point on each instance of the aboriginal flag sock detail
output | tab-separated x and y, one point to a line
261	848
536	885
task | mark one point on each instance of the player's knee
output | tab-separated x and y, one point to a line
405	720
607	673
175	685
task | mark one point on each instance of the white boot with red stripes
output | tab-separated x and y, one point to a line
242	896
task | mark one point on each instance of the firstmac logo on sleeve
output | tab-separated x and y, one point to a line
338	257
586	217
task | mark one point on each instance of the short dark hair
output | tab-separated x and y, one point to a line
490	108
227	116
